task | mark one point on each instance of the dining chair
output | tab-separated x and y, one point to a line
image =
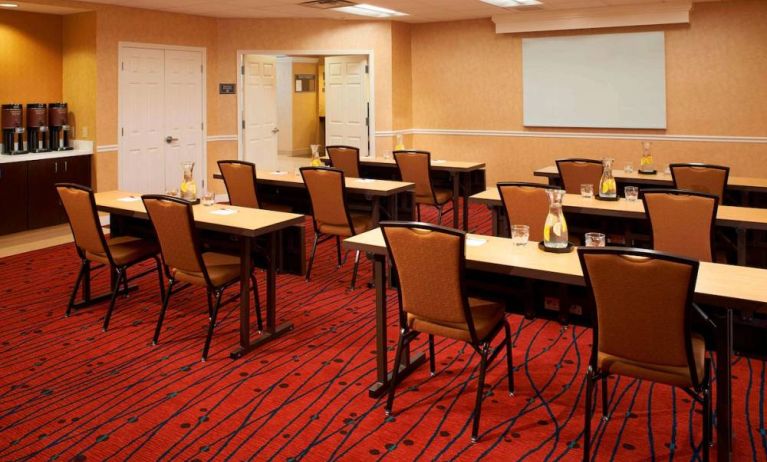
643	327
703	178
526	204
241	183
118	253
430	262
575	172
682	222
330	213
173	221
415	167
346	159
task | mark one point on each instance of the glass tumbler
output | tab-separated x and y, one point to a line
520	234
595	240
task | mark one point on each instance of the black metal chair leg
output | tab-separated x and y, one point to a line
418	212
432	357
125	282
161	279
115	290
587	424
311	257
79	279
707	414
480	391
439	215
338	251
395	373
509	358
211	325
354	271
257	299
605	407
165	302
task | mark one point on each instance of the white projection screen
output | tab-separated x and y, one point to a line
596	81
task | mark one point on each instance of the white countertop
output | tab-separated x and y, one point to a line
82	148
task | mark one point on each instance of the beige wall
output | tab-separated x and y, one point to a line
79	71
467	77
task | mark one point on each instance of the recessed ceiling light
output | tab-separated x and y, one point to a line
9	5
512	3
372	11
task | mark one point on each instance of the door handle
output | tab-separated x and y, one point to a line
169	139
275	130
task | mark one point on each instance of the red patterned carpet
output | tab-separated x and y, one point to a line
68	391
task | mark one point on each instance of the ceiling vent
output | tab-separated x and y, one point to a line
327	4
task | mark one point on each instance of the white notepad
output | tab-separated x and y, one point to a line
278	172
438	161
475	242
223	212
129	199
365	180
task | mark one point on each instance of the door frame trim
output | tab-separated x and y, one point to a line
319	53
204	94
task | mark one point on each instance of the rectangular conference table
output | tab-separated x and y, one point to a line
374	188
463	176
246	224
742	219
725	286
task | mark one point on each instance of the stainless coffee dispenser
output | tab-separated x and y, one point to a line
37	128
61	131
11	119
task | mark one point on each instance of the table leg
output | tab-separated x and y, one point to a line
723	389
383	376
456	192
376	217
741	245
466	190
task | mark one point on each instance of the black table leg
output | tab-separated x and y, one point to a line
465	197
456	193
723	389
741	245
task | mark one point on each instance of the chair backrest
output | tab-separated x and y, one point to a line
240	182
703	178
526	204
345	158
575	172
173	222
415	167
327	194
682	222
430	262
643	305
80	206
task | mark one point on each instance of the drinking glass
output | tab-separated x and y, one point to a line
297	172
631	193
629	168
595	240
520	234
667	170
172	193
208	199
587	191
387	155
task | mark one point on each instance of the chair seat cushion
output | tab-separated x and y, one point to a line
670	375
222	269
486	315
126	250
361	224
443	196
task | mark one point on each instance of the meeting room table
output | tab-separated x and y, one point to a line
742	219
244	224
726	287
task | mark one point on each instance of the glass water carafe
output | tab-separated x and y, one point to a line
607	186
555	229
399	144
316	161
188	186
646	164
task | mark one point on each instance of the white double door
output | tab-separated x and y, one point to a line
259	115
347	102
161	118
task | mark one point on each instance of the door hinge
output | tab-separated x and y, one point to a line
122	131
242	69
243	124
202	125
201	69
122	66
367	69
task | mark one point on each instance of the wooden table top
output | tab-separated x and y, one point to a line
436	164
727	286
742	183
367	186
727	216
244	221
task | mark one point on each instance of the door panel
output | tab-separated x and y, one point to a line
13	190
346	102
260	110
44	203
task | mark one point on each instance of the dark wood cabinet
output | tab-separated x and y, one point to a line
13	197
29	194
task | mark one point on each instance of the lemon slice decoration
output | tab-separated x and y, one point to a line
547	233
607	186
183	186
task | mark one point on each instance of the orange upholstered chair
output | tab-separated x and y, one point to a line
682	222
526	204
242	185
330	212
703	178
346	159
119	253
415	167
642	326
430	262
575	172
173	221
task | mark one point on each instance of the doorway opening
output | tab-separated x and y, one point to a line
293	100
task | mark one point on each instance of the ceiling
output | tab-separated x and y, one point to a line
417	10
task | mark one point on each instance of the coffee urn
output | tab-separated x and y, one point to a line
37	127
58	116
13	131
